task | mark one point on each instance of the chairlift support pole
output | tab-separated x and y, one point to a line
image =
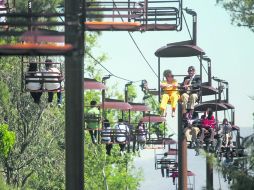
159	78
103	94
182	152
209	173
74	95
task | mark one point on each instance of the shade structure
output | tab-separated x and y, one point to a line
228	105
116	104
172	152
35	49
169	141
213	106
139	107
92	84
153	118
179	49
175	174
42	35
99	25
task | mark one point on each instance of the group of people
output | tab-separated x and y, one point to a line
36	88
120	133
188	93
206	127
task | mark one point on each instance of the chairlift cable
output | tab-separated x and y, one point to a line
188	29
135	43
112	74
187	25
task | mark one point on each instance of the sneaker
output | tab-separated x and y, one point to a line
173	114
59	105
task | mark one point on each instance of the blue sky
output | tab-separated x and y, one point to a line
229	47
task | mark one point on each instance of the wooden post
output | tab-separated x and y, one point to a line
182	152
74	95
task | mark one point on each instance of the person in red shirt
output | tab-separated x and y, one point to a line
208	124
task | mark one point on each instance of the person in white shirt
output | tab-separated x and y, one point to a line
34	87
121	138
53	71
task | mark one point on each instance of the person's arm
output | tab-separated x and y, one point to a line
196	82
186	82
165	85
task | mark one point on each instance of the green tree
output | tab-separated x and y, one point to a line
37	159
241	11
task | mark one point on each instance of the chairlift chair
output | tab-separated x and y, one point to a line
42	77
191	183
134	16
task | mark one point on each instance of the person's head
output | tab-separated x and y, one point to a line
32	67
225	121
140	123
191	71
195	115
48	64
106	123
165	154
168	75
93	103
209	113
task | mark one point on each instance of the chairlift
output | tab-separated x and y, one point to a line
134	16
40	78
191	183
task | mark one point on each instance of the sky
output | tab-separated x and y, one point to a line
231	50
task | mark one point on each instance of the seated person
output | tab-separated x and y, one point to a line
170	92
191	84
93	120
123	131
106	139
208	124
224	132
141	134
192	129
51	86
165	166
33	86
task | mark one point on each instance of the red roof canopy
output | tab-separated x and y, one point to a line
169	141
172	151
139	107
116	104
92	84
42	35
153	118
175	174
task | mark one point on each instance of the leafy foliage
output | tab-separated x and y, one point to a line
7	140
241	11
37	159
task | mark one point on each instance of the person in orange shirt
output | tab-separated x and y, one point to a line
170	92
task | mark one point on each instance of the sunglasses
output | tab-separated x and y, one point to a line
190	70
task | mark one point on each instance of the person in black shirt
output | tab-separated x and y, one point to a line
191	86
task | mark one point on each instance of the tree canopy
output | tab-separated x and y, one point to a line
241	11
